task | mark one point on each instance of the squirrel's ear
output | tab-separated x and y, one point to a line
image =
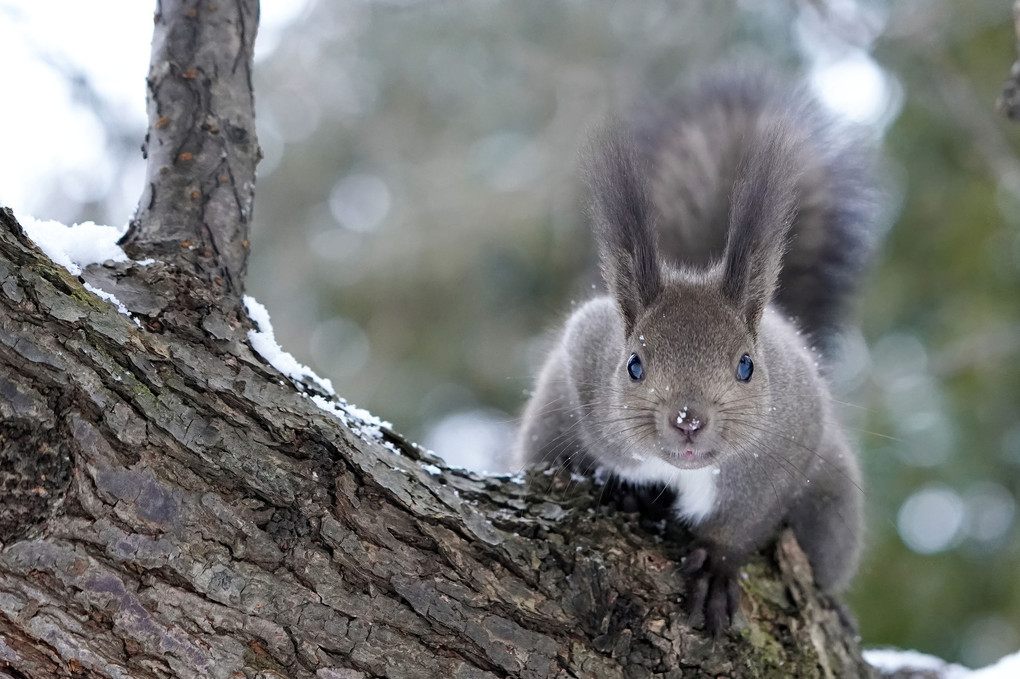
622	216
762	208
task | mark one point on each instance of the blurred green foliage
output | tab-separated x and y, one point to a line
420	229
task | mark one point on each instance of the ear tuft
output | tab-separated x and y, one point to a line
762	208
623	216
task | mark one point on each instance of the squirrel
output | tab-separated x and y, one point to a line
697	371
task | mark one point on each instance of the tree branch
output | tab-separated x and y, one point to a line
201	144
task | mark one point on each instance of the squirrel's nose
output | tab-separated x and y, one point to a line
689	422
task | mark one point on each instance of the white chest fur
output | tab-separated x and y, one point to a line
696	488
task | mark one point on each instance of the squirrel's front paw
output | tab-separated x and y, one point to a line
712	588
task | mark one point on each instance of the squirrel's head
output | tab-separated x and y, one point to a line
693	373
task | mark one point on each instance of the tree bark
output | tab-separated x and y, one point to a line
174	507
201	145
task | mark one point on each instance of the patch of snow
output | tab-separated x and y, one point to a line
432	469
109	297
893	660
74	247
263	341
364	424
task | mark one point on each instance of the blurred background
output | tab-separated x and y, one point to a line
419	228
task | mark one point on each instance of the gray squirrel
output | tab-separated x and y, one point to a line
732	228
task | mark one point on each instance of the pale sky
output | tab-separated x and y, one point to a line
43	131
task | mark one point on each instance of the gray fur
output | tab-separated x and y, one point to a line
692	146
763	205
781	456
623	217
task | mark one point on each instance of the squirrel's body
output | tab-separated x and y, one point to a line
688	375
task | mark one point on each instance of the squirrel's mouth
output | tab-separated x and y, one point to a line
691	457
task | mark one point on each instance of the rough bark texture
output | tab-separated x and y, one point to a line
173	507
201	145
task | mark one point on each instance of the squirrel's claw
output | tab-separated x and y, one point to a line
712	589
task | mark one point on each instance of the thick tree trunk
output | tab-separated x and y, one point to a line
172	507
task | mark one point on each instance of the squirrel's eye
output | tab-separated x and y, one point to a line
634	368
744	368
